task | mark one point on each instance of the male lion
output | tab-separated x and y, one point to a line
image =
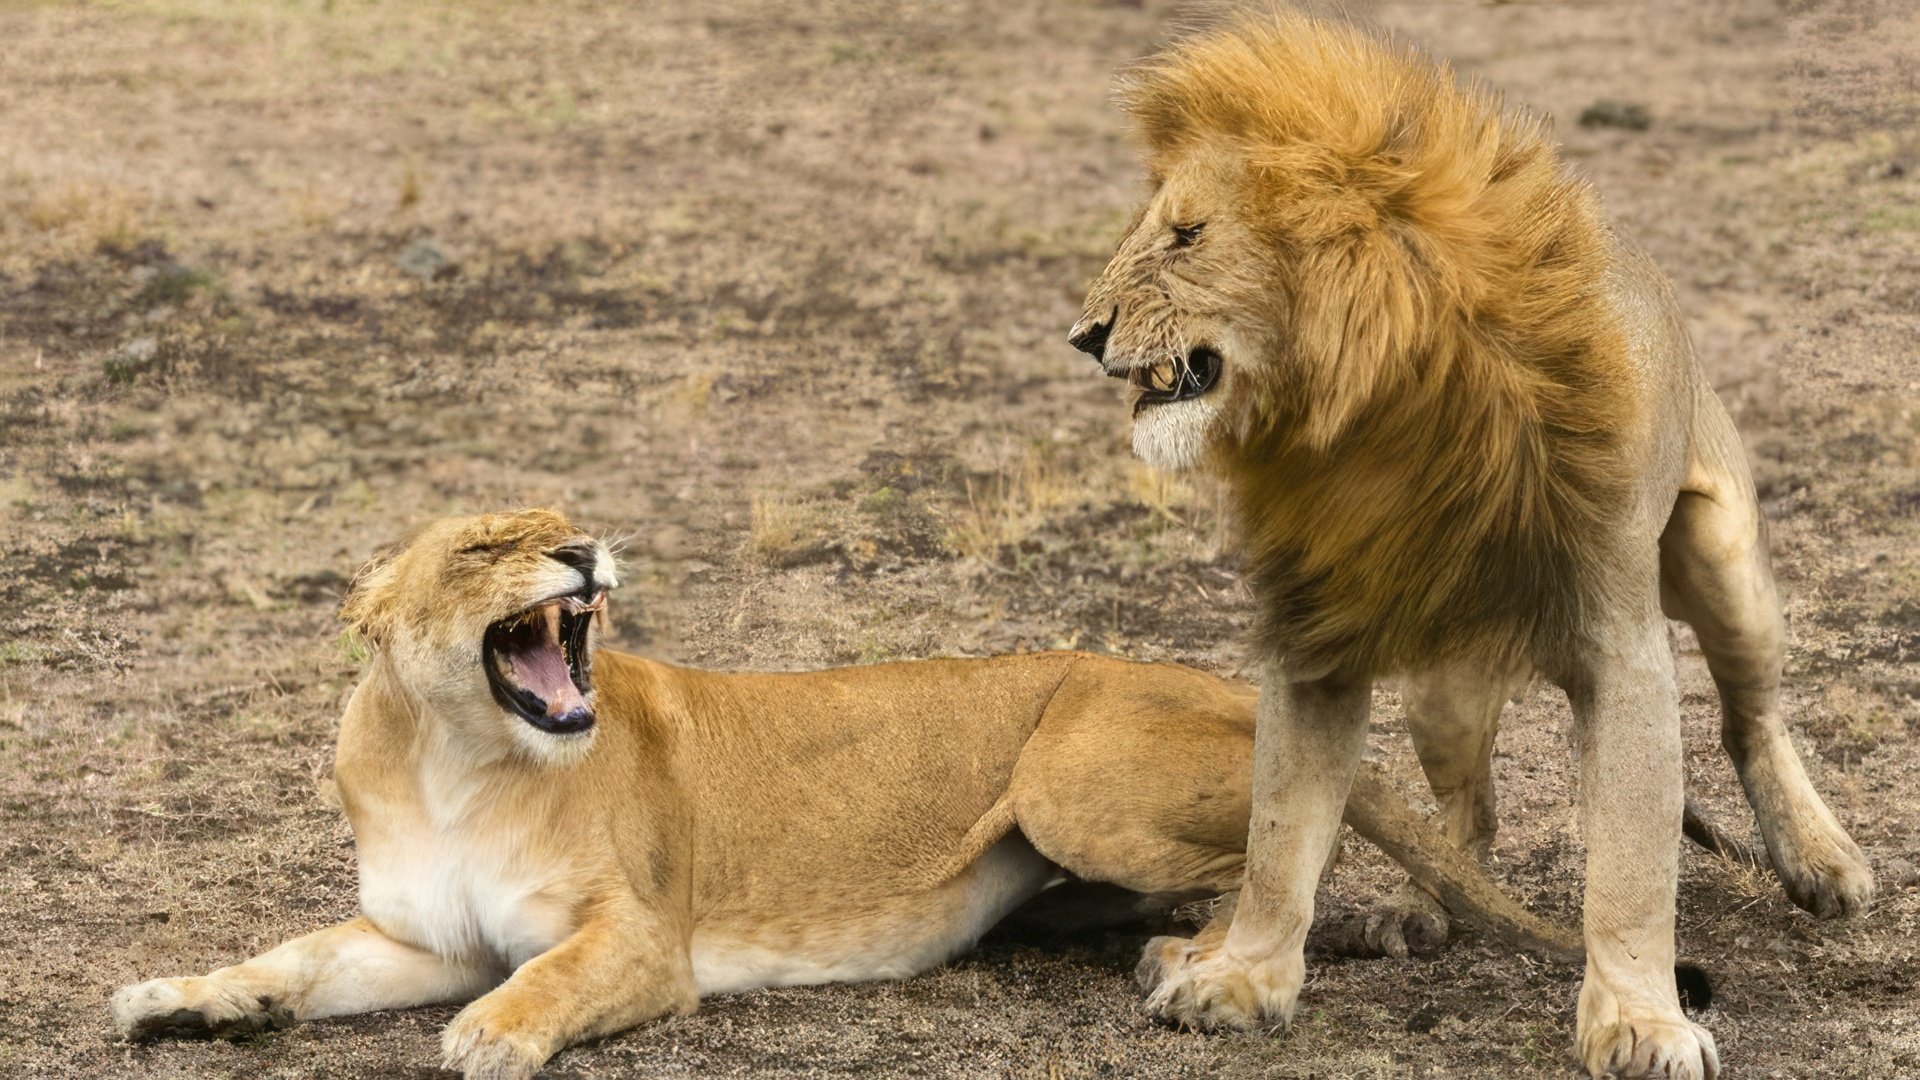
586	840
1467	440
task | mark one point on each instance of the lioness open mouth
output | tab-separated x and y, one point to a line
1175	380
538	664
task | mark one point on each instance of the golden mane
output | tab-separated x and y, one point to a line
1419	468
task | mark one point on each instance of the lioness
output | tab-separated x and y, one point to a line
1467	440
584	840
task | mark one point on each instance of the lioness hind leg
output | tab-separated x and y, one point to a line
1715	576
1165	952
1139	776
1307	743
1453	714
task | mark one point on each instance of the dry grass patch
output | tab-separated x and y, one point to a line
76	217
1010	506
785	533
1191	502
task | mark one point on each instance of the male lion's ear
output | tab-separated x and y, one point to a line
1357	328
366	606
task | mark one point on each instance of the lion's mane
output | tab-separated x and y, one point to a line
1418	472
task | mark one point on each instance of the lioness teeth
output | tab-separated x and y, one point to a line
576	605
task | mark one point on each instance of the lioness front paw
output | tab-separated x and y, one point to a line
482	1046
193	1008
1206	988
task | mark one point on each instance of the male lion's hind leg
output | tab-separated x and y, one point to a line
1715	576
1453	713
350	968
1142	776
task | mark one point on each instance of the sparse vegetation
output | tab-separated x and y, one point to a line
781	290
80	216
1008	506
782	530
354	650
881	501
172	283
19	652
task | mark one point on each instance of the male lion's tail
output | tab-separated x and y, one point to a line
1378	813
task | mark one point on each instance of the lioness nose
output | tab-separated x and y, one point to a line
1090	337
579	556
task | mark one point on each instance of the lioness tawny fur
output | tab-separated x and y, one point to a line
585	840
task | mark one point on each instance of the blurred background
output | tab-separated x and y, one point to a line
778	294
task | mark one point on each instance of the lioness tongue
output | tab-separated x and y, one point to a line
543	668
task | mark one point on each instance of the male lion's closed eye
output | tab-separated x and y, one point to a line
1185	235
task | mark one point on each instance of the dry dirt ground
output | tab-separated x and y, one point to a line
779	293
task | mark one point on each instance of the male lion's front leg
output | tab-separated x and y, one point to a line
350	968
1628	722
623	966
1306	745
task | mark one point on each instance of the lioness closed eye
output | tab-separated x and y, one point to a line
583	840
1467	440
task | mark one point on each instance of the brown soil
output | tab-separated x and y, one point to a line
780	295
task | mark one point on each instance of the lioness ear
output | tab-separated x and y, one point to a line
367	605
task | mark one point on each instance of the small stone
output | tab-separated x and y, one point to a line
1608	112
141	350
425	260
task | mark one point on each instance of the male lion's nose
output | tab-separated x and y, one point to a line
1090	336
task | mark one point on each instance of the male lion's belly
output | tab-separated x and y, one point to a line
474	902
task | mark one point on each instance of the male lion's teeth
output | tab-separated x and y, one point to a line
1162	377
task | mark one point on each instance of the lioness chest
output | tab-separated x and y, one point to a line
474	885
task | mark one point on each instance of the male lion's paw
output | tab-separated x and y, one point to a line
1825	874
1633	1032
479	1046
193	1008
1669	1047
1206	988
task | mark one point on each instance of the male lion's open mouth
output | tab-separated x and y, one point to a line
538	664
1175	380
